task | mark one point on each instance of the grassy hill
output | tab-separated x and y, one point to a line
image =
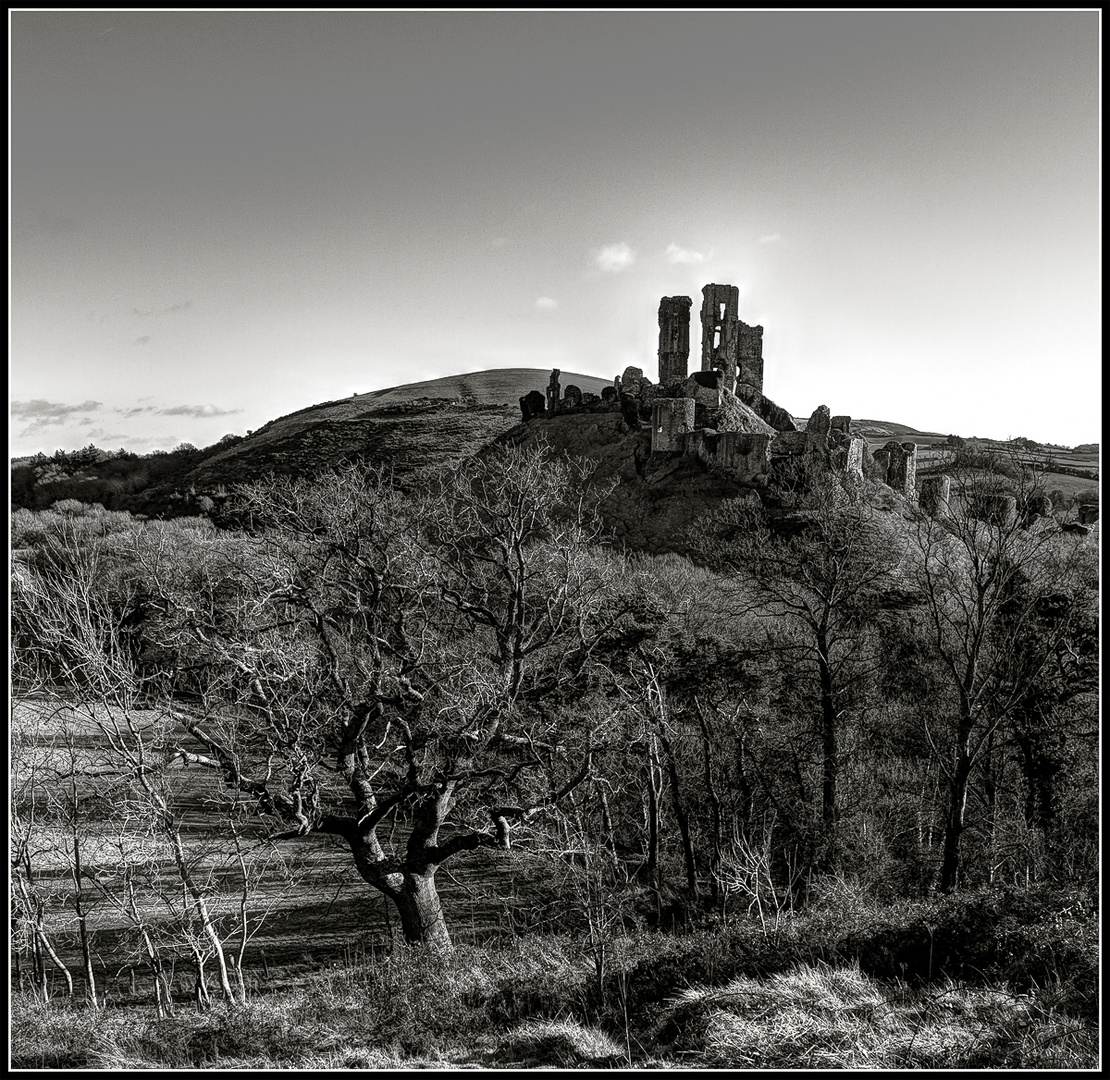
415	429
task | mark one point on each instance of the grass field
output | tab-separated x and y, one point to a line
934	454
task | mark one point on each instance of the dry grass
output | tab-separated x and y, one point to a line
821	1017
525	1007
564	1043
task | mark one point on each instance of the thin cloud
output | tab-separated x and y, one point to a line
44	412
676	254
199	411
500	241
770	238
184	305
545	303
144	340
613	258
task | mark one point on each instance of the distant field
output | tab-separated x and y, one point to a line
933	453
312	905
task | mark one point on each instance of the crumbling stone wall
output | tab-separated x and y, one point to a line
744	457
671	419
934	493
553	392
749	356
845	449
674	340
719	328
847	456
898	465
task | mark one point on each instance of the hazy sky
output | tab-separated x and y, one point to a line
221	218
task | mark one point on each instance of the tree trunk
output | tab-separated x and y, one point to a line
681	818
654	793
954	826
79	907
716	839
37	915
201	908
990	797
607	825
421	912
829	762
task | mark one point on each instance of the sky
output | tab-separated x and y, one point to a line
220	218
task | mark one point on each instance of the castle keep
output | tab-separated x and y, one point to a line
719	414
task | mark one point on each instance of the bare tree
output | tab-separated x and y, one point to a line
817	579
33	902
73	646
366	658
989	579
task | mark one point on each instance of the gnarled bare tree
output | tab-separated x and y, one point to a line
367	658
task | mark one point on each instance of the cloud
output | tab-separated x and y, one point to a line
184	305
545	303
613	258
500	241
199	411
770	238
676	254
144	340
50	412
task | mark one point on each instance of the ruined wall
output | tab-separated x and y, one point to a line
902	475
671	419
674	339
845	449
532	404
897	463
744	457
719	328
934	493
553	392
749	356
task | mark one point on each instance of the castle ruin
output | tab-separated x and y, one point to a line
719	415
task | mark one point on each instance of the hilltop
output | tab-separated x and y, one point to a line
415	430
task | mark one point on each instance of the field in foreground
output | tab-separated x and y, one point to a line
812	991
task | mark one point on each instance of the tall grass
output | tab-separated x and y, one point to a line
844	986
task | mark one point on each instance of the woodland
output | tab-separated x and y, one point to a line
820	791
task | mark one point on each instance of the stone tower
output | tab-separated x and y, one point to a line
749	356
674	339
719	326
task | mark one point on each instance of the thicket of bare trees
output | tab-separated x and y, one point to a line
819	693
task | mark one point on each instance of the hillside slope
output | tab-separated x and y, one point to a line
410	429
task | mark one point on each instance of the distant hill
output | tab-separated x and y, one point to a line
412	428
415	430
886	429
